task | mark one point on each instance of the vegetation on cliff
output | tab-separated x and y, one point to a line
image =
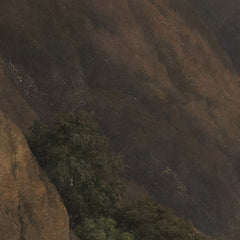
77	159
162	91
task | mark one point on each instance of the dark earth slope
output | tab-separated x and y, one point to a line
164	92
223	17
12	104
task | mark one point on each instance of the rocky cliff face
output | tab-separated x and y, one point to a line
30	207
163	91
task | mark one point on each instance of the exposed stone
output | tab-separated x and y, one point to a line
30	207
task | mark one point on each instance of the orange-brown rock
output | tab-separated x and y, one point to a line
30	207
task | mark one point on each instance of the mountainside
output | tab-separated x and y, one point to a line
30	207
12	103
224	19
163	91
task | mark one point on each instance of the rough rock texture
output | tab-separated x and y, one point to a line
30	207
163	91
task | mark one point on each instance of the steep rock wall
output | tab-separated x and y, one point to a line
30	207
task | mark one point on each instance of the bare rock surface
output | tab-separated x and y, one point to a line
30	207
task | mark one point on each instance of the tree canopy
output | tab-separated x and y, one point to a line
77	159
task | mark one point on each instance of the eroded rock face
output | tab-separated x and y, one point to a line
30	207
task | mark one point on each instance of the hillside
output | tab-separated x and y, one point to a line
163	91
223	18
12	103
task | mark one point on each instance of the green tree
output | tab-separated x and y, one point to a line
149	221
101	229
77	160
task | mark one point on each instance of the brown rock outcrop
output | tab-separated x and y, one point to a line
30	207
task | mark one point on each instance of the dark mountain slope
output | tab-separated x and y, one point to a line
164	94
224	19
12	104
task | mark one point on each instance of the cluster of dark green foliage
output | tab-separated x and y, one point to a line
149	221
77	160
